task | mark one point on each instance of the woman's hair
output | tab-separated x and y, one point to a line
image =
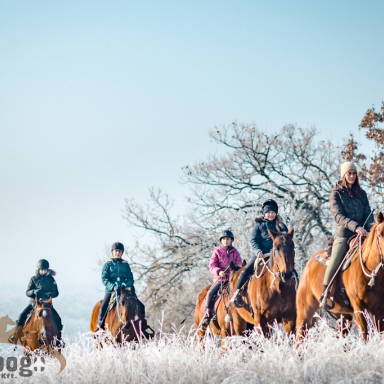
355	190
279	223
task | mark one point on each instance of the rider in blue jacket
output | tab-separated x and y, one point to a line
115	272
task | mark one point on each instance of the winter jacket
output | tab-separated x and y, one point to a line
220	260
42	287
260	239
116	270
349	212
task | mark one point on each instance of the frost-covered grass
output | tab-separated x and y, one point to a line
177	358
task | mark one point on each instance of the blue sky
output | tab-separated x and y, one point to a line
100	100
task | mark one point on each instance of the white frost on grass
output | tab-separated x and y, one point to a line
322	357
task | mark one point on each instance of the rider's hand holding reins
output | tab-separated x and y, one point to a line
361	231
222	274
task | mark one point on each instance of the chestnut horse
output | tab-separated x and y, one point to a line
363	282
219	326
41	329
270	295
125	320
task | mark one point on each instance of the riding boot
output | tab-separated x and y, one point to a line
207	318
17	333
326	302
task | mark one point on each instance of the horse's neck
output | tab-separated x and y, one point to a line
373	258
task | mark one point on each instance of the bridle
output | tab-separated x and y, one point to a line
126	325
284	276
374	273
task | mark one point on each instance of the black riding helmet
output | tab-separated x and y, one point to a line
42	264
117	246
270	205
227	233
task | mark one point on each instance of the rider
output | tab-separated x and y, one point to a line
218	266
115	272
261	243
350	209
41	286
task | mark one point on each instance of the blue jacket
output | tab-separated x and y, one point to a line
260	239
116	270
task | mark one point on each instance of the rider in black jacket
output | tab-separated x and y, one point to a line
41	286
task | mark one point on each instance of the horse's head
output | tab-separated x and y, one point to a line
283	253
43	318
127	304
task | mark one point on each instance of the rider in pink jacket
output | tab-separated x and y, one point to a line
218	266
220	261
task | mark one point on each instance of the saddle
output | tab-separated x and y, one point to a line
325	257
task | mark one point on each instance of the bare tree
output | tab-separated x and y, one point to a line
291	167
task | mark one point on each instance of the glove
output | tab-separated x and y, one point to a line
116	287
221	273
39	293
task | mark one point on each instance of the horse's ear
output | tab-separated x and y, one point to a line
232	266
273	234
291	232
243	263
380	217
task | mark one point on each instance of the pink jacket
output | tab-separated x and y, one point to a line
220	261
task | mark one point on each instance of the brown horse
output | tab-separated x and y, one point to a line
363	282
219	326
270	295
124	321
41	330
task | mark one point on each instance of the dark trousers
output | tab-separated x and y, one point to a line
211	293
247	272
23	315
105	302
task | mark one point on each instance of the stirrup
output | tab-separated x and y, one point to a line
326	302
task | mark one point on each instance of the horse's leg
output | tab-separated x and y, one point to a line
239	324
289	325
358	310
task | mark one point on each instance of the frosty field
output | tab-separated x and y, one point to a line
176	358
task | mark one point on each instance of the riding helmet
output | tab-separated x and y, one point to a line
42	264
227	233
270	205
117	246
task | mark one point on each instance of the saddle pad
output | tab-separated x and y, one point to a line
323	258
202	306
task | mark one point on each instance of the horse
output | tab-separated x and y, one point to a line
270	295
219	325
125	320
41	332
363	282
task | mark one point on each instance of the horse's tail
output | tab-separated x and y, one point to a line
95	316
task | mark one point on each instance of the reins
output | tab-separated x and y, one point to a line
124	325
275	275
374	273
